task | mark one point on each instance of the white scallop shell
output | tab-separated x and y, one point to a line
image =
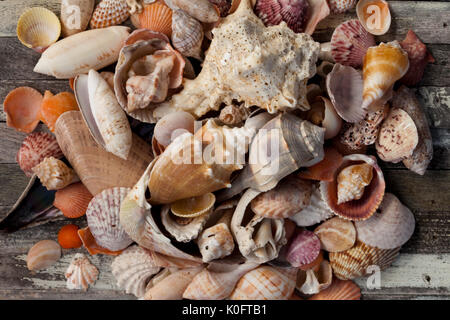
81	273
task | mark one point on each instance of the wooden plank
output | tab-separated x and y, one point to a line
436	102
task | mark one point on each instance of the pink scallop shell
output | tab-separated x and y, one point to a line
294	13
303	249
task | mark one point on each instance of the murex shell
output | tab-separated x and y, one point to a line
43	254
54	174
103	219
81	273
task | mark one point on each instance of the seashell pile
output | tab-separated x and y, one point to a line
254	182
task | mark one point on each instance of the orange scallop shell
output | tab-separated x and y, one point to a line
73	200
55	105
324	170
22	107
92	246
339	290
157	17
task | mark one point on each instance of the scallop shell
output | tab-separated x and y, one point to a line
398	137
365	207
323	170
318	10
157	17
22	107
273	12
374	15
323	114
352	180
54	174
303	249
81	273
289	197
73	200
43	254
383	65
187	35
103	219
217	281
390	227
266	283
341	6
202	10
313	281
109	13
349	43
339	290
336	234
53	106
36	147
75	16
353	263
38	28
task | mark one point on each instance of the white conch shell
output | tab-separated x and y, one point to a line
77	54
54	174
313	281
81	273
263	66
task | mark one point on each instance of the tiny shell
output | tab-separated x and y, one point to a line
183	229
273	12
304	248
81	273
53	106
73	200
54	174
374	15
22	107
109	13
233	115
187	35
43	254
324	170
75	15
352	180
341	6
156	17
336	234
339	290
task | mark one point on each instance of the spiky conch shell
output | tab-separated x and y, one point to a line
266	283
109	13
81	273
54	174
339	290
43	254
36	147
73	19
22	107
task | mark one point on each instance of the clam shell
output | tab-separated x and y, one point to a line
202	10
398	136
75	15
43	254
73	200
109	13
353	263
341	6
313	281
38	28
36	147
303	249
54	174
273	12
81	273
390	227
323	170
22	106
266	283
339	290
156	17
374	16
187	35
103	219
336	234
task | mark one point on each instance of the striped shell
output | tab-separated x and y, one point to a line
109	13
54	174
104	221
339	290
303	249
352	180
43	254
81	273
73	200
187	35
336	234
156	17
36	147
341	6
201	10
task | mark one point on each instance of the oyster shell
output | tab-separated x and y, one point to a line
81	273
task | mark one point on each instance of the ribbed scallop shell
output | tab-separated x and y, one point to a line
273	12
353	263
104	221
336	234
81	273
157	17
22	107
341	6
43	254
109	13
266	283
187	35
36	147
54	174
73	200
339	290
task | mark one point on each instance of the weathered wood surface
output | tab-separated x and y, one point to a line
421	271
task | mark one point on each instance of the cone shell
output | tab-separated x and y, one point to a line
38	28
43	254
341	6
339	290
109	13
81	273
353	263
73	200
36	147
266	283
324	170
75	15
22	106
374	15
273	12
363	208
349	43
104	222
336	234
390	227
202	10
54	174
187	35
382	66
157	17
303	249
398	137
289	197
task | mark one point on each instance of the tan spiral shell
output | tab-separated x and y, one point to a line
54	174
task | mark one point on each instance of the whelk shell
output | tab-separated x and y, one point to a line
374	15
187	35
352	180
81	273
336	234
54	174
339	290
22	107
75	15
43	254
202	10
73	200
109	13
303	249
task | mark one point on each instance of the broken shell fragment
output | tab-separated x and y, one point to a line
22	107
303	249
374	16
43	254
54	174
336	234
81	273
339	290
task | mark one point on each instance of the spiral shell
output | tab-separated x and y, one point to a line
54	174
187	35
81	273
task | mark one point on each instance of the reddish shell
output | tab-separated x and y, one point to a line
418	56
109	13
363	208
55	105
68	237
339	290
92	246
324	170
350	42
22	107
303	249
273	12
341	6
36	147
73	200
157	17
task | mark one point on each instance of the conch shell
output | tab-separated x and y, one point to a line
54	174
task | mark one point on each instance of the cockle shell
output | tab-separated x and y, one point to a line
323	114
217	281
341	6
109	13
73	200
156	17
38	28
349	43
374	15
202	10
234	70
22	106
43	254
303	249
187	35
336	234
294	13
323	170
339	290
398	136
314	280
77	54
382	66
54	174
266	283
75	15
352	180
36	147
103	219
390	227
81	273
355	262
